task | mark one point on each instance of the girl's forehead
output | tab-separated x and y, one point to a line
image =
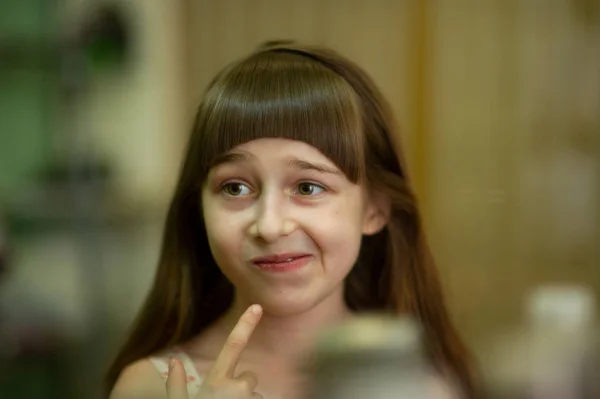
278	145
279	149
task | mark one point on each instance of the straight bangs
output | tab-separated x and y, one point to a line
282	94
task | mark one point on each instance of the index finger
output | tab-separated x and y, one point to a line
236	342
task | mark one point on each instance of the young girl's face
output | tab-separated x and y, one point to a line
283	223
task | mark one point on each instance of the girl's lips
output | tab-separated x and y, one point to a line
279	258
282	262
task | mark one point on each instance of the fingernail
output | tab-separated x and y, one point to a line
171	363
256	309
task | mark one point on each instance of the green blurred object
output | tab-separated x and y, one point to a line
43	75
27	19
29	89
26	102
106	38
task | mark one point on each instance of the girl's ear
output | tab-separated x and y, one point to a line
377	213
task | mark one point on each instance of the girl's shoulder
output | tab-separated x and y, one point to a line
139	380
146	378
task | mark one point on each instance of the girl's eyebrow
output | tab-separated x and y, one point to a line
321	168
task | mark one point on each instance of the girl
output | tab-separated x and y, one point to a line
293	196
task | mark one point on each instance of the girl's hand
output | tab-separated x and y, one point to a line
220	382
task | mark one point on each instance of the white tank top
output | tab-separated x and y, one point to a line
161	362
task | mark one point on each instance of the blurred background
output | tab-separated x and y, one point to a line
499	101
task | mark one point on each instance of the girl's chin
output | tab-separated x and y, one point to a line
283	305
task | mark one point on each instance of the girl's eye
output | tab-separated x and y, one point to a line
236	189
309	189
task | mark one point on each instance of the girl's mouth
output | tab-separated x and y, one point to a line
282	262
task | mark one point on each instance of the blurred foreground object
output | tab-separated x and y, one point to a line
556	356
375	357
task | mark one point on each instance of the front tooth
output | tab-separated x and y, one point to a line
289	259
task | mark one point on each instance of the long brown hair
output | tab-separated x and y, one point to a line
316	96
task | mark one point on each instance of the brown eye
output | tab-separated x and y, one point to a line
307	189
235	189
